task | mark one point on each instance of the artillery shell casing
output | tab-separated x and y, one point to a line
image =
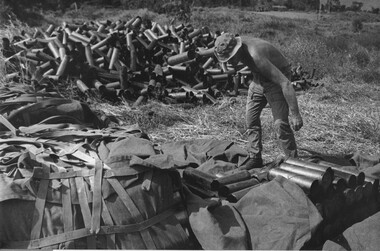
179	27
142	41
182	47
62	52
133	58
114	85
195	33
31	55
123	73
160	29
367	190
206	53
214	71
53	77
89	58
162	37
62	66
225	190
181	58
228	179
375	183
150	35
360	176
114	58
82	86
81	37
48	72
50	29
129	39
339	184
349	178
307	184
174	33
152	45
54	50
136	23
349	195
178	68
44	57
98	85
196	177
208	63
139	100
325	177
101	43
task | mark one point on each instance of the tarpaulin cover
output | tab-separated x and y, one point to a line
208	155
138	197
364	235
274	215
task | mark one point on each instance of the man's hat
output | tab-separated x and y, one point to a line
226	46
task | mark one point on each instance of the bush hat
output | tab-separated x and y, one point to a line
226	46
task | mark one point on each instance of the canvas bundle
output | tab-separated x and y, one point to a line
73	186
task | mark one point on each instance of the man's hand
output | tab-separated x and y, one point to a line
297	122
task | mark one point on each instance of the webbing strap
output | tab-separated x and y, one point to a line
42	127
65	175
97	198
66	206
107	219
85	209
132	208
83	173
85	232
38	213
9	125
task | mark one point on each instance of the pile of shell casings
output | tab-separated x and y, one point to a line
132	60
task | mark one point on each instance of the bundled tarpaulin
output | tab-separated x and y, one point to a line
273	216
56	194
208	155
361	236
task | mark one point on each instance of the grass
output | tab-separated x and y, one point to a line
340	117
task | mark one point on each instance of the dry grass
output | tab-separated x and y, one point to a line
339	118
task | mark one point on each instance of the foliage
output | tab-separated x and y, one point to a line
357	25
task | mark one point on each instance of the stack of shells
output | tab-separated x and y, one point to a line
131	61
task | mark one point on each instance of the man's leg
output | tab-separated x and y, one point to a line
280	112
256	101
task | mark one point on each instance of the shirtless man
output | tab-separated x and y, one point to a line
271	83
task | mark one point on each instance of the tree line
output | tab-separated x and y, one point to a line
17	5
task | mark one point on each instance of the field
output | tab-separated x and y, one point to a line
341	116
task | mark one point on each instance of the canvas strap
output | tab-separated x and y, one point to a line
66	206
8	125
132	208
38	213
97	198
85	232
85	209
107	219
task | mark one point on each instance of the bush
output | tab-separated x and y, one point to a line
361	57
338	43
369	40
357	25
